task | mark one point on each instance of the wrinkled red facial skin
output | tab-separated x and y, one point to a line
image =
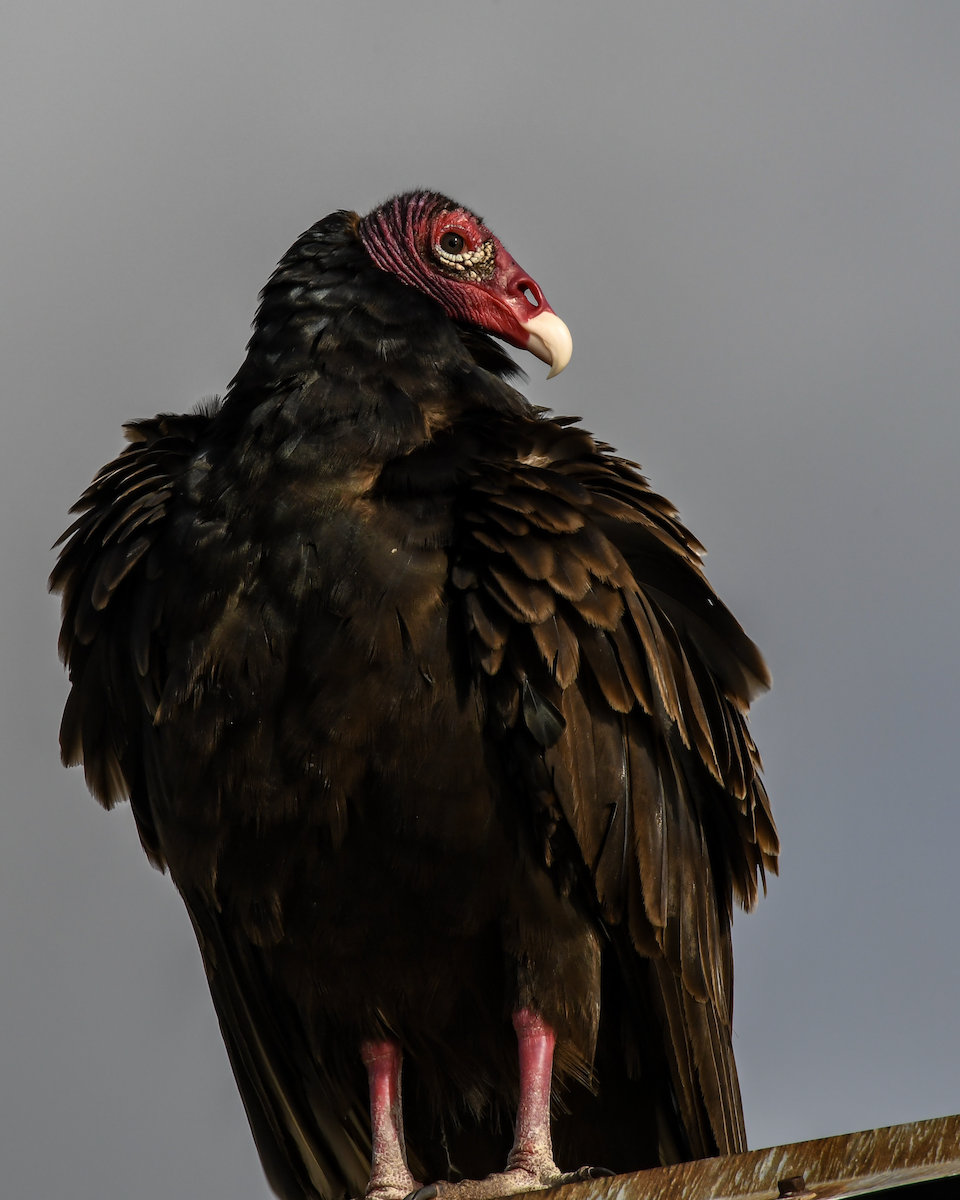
402	236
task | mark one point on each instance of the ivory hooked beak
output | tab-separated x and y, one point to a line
550	340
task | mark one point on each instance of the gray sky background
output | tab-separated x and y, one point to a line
749	215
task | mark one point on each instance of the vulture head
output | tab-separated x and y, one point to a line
444	250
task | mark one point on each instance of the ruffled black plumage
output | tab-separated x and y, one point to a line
423	699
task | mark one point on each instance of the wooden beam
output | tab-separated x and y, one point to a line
853	1164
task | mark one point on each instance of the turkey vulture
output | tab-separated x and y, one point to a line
421	696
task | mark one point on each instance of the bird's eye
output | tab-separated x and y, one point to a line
451	242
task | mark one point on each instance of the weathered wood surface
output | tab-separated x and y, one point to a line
853	1164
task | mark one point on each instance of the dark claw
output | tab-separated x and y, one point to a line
428	1192
586	1173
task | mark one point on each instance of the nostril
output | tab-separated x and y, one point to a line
530	296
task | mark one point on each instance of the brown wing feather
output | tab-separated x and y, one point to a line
313	1141
116	583
605	608
111	604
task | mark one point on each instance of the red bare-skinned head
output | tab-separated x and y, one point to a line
443	249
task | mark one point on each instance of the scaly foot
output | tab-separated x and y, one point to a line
507	1183
393	1190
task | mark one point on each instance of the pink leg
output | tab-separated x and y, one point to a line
390	1178
530	1164
532	1144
